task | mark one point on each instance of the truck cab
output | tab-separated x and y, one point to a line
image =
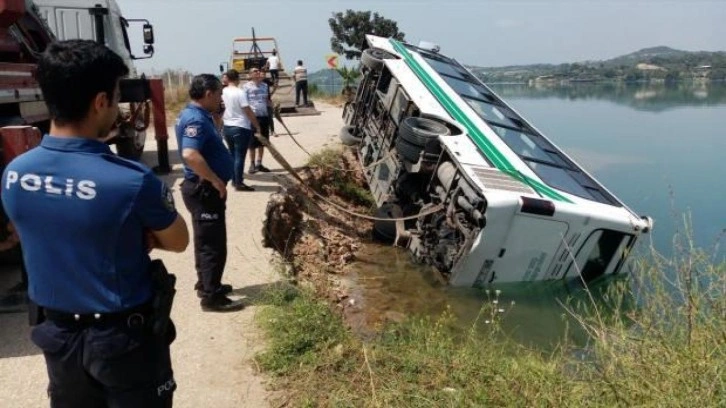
102	21
78	19
26	29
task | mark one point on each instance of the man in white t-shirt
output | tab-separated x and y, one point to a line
273	65
239	120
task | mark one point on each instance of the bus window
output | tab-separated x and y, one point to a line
466	88
600	254
489	112
445	68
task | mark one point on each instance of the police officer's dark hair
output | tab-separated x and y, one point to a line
203	83
232	75
71	73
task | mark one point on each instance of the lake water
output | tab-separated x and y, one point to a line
660	149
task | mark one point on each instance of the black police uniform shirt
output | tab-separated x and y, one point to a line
81	213
195	130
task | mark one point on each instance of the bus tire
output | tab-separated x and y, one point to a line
408	151
372	58
347	136
384	231
419	131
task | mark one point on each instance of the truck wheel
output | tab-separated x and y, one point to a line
372	58
347	137
131	144
419	131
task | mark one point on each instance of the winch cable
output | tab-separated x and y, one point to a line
280	159
279	119
370	166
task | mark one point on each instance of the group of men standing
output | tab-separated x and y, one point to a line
247	109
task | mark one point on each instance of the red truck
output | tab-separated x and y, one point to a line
24	118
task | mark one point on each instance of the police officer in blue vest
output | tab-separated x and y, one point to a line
87	219
208	167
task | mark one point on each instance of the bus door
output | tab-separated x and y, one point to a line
531	244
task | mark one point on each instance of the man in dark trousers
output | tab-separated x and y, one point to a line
86	219
300	76
208	167
258	96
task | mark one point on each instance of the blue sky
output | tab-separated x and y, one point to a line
197	34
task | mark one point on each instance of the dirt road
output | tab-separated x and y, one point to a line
212	353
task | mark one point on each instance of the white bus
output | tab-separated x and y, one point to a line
512	206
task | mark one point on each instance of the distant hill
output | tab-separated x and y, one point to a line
649	64
655	64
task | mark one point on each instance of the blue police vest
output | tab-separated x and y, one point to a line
195	130
80	212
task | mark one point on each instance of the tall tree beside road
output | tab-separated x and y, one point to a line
350	29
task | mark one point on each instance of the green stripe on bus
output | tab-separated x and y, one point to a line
480	140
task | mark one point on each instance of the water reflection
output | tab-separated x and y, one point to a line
640	96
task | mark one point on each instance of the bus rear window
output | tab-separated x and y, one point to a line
600	254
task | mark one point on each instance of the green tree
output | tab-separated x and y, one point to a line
350	29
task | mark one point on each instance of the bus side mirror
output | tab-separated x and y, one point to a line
148	34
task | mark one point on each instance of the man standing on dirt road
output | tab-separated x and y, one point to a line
258	95
208	167
300	76
86	219
239	121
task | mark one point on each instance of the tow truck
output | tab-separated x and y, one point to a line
252	52
26	28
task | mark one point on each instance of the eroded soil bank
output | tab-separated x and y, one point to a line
317	236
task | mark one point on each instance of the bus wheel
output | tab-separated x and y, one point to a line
372	58
385	231
418	131
408	151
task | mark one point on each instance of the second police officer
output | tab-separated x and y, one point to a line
208	167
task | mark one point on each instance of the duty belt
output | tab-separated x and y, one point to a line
134	317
